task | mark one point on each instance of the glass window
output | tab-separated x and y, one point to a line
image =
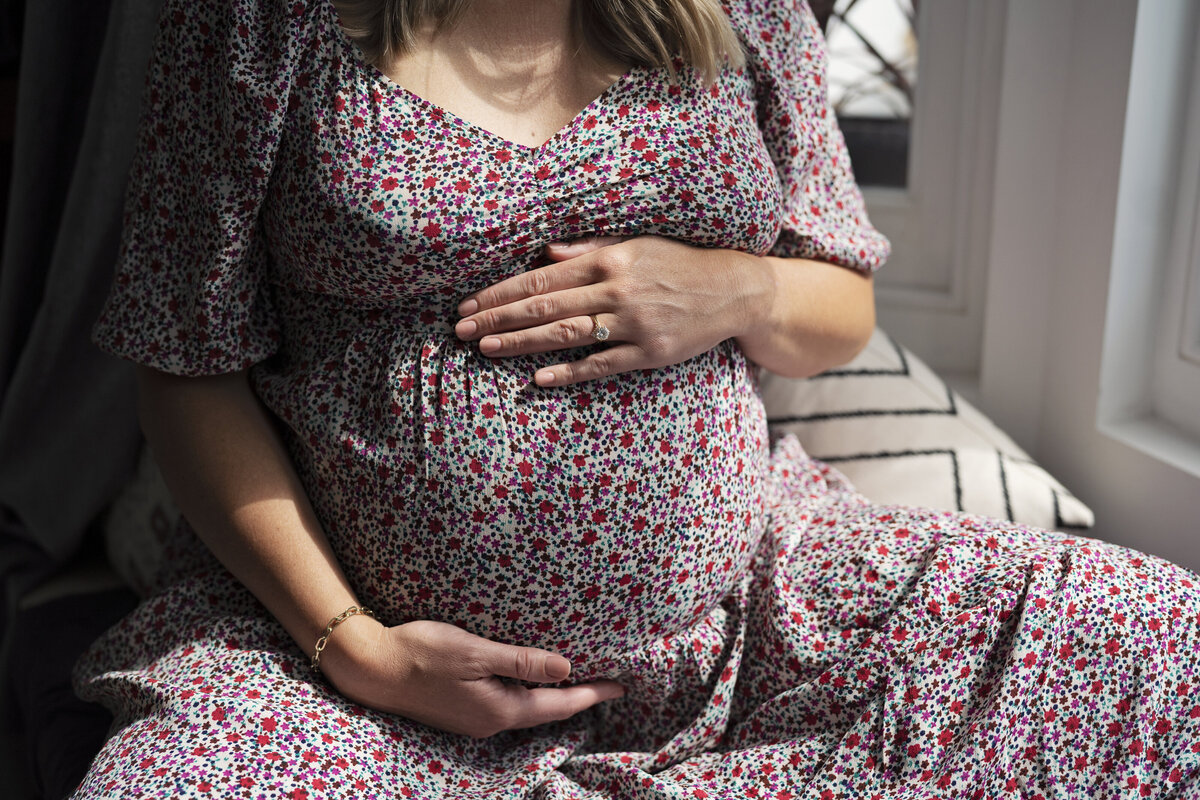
872	83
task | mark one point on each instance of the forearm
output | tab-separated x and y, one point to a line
231	476
801	317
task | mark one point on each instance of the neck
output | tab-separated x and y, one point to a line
534	37
519	48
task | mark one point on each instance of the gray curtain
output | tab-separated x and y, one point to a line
68	437
68	434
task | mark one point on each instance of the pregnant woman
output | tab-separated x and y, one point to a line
449	317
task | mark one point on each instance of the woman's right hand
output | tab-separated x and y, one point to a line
442	676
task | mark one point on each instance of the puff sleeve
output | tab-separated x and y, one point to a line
823	215
190	294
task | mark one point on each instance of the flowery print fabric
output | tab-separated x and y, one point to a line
293	212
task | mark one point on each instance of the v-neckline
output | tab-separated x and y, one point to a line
379	76
447	114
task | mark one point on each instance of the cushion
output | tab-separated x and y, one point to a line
903	436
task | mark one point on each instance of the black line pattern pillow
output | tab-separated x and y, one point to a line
902	436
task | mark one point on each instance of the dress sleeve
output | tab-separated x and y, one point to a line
190	295
823	215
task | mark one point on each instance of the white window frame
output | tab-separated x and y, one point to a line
1077	203
1176	385
931	293
1150	371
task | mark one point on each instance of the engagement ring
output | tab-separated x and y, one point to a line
599	332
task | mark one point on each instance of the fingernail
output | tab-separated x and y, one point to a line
557	667
465	328
543	377
489	344
468	306
559	244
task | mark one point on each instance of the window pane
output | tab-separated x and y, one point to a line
872	84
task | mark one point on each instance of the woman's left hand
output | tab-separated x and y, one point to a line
663	302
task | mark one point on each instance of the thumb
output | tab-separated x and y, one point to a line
526	663
561	251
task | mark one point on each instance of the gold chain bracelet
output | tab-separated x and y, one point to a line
333	623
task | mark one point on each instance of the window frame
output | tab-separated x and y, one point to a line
931	293
1150	362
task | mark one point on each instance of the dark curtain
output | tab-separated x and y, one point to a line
68	434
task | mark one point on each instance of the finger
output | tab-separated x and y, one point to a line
561	251
600	364
532	707
540	281
561	334
532	311
524	663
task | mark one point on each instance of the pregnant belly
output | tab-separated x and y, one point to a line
590	519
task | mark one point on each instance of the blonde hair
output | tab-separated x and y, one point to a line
647	33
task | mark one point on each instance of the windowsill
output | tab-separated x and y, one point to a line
1158	439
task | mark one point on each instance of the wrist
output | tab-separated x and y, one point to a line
755	287
350	649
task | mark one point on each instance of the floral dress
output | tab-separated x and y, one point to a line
293	212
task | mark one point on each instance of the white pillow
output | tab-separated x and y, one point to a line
902	436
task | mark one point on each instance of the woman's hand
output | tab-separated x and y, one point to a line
662	300
444	677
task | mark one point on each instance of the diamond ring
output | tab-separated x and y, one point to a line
599	332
